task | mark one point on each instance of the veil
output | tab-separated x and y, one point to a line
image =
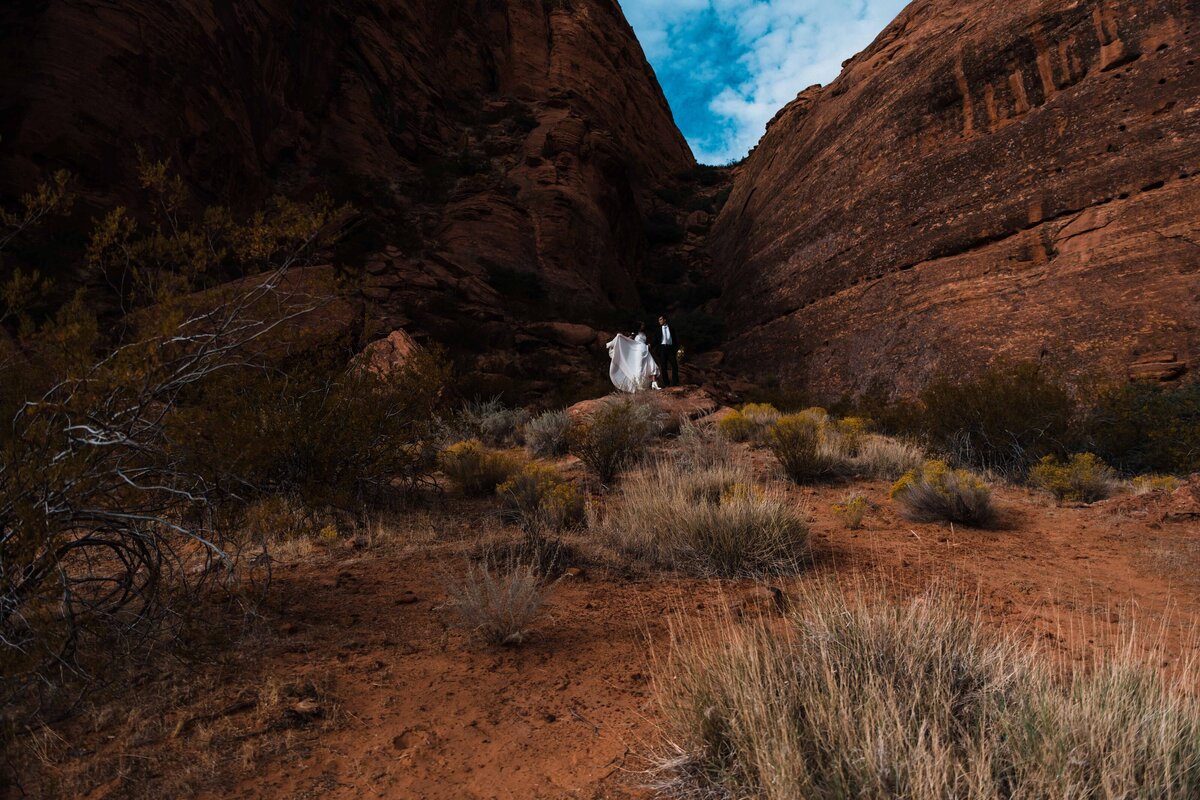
632	368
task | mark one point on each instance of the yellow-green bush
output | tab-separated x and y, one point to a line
797	442
1144	484
1083	478
737	426
850	512
541	500
937	493
476	469
852	431
750	423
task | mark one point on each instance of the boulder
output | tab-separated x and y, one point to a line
389	353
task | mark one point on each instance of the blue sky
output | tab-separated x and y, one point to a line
727	66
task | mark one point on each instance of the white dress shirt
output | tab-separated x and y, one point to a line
666	335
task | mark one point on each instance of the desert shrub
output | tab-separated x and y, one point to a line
737	427
797	442
546	434
918	700
648	413
701	447
750	423
763	414
850	512
937	493
498	604
1082	478
886	458
317	431
1145	484
613	437
492	422
1140	427
1006	419
277	518
708	522
476	469
852	431
111	516
787	399
542	501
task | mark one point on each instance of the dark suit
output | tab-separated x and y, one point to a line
668	359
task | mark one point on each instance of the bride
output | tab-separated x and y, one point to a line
633	369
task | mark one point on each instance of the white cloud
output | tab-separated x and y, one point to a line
785	46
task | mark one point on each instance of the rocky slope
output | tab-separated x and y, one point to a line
989	178
502	153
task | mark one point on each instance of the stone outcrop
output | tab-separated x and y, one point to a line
987	179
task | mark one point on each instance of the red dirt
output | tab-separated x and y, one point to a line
432	713
426	710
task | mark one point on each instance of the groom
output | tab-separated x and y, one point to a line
668	353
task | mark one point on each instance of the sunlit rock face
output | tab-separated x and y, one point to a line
990	178
502	153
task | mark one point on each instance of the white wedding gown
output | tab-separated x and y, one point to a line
633	368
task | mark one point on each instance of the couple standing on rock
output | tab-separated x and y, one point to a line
636	367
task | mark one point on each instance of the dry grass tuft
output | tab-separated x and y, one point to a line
713	521
886	458
500	605
702	447
871	699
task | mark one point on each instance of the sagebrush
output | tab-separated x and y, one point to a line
937	493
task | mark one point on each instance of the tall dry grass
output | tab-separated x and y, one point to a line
713	521
859	698
885	458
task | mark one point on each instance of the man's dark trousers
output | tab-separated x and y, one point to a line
668	359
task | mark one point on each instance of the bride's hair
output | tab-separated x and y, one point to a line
641	327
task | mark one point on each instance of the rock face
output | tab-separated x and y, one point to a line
501	153
989	178
1017	178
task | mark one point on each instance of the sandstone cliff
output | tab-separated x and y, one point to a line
502	153
989	178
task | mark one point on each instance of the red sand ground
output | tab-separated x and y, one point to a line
432	713
424	710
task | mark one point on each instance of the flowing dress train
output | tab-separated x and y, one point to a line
633	368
